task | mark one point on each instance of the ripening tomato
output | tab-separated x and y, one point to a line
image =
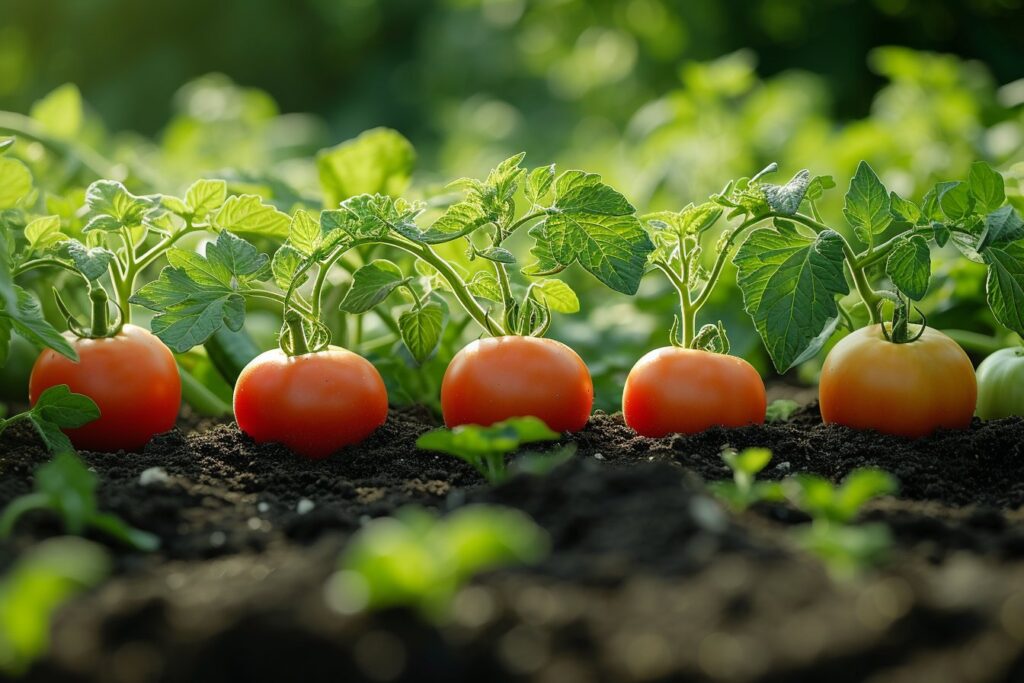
687	390
1001	384
493	379
133	379
313	403
911	389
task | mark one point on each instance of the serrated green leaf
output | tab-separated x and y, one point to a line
557	295
903	210
786	199
539	183
497	255
484	285
458	220
909	266
470	442
64	408
92	262
27	319
205	197
248	214
372	216
421	329
304	232
986	186
1004	285
60	112
789	284
15	182
112	206
237	257
594	224
956	201
544	259
285	264
56	441
371	285
818	185
1001	226
867	204
191	324
378	161
42	233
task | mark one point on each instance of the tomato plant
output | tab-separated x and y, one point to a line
1001	384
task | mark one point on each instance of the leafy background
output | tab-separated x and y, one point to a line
667	100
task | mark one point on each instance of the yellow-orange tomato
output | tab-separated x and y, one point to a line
909	389
132	378
686	391
493	379
313	403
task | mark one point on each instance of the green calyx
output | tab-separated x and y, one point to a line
100	325
898	331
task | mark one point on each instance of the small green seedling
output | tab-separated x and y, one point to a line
67	488
41	580
743	491
831	536
485	447
840	504
780	410
416	560
57	408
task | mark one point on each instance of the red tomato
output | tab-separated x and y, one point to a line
314	403
911	389
686	391
493	379
133	379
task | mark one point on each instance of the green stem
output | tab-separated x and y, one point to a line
299	343
42	263
533	215
457	284
202	400
100	315
723	255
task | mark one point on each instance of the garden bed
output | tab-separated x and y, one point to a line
649	579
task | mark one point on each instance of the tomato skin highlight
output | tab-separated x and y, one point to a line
1001	384
497	378
132	377
314	403
674	390
907	389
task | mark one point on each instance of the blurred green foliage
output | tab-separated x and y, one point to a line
666	99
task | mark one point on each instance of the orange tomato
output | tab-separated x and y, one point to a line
133	379
909	389
493	379
687	390
313	403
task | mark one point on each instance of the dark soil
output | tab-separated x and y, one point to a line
649	579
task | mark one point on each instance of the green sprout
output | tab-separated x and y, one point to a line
57	408
416	560
743	491
485	447
66	487
780	410
831	536
41	580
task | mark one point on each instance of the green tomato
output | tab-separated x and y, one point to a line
1001	384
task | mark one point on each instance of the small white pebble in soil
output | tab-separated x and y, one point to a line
783	467
218	538
598	456
263	507
305	506
154	475
254	523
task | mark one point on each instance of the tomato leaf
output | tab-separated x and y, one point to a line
285	266
421	329
789	284
59	408
593	224
956	201
903	210
556	295
986	186
206	196
248	214
15	182
371	285
304	233
92	262
28	321
1004	285
43	233
1002	226
539	182
909	266
786	199
378	161
195	295
867	204
112	206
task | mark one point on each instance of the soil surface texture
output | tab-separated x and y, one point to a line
649	577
